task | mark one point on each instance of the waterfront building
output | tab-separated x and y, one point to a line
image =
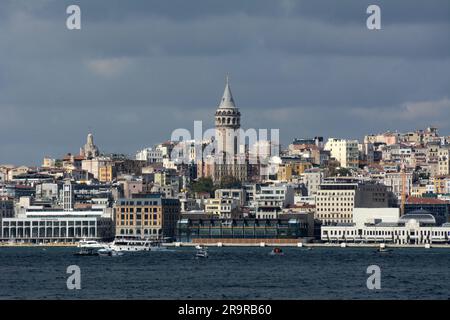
146	216
436	207
200	226
38	222
38	225
337	198
379	227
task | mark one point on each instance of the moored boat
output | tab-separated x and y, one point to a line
202	252
90	244
108	252
134	244
86	252
277	252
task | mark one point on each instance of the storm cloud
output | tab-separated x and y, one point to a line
137	70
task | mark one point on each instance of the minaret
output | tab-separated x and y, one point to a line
228	123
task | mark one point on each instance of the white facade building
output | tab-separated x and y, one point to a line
150	155
57	225
395	181
336	199
271	200
388	227
344	151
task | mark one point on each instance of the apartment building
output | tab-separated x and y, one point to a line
236	194
146	216
221	207
395	181
312	179
344	151
270	200
443	161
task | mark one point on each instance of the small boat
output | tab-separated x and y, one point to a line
277	252
383	250
86	252
109	252
201	253
89	244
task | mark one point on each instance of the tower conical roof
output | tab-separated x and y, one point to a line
227	98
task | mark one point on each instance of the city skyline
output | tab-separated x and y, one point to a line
290	63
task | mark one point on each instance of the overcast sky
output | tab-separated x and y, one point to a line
139	69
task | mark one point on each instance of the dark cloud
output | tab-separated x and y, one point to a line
139	69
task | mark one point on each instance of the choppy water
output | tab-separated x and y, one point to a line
229	273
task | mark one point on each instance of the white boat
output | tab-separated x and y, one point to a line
86	252
90	244
108	252
136	244
201	252
126	244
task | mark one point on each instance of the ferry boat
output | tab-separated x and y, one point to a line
136	244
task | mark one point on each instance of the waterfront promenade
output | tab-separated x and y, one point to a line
268	243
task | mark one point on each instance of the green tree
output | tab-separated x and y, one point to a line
203	185
343	172
230	182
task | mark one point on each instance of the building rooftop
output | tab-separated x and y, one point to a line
421	216
418	200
